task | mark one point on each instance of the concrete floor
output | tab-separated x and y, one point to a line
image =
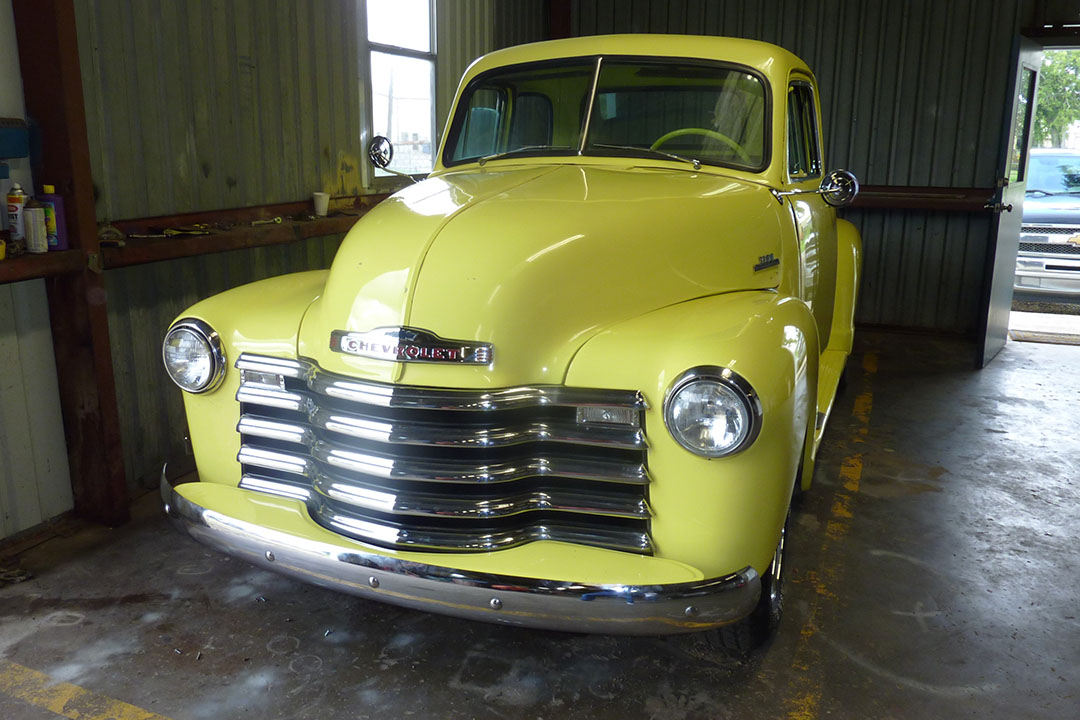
934	575
1052	323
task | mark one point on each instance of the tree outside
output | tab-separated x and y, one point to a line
1057	114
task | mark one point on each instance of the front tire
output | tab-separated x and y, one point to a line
753	630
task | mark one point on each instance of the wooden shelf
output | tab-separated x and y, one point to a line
141	251
28	267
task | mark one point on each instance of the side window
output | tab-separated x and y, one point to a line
804	155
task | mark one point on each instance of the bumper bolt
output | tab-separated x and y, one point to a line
496	603
373	581
270	556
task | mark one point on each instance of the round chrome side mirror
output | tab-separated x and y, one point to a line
839	188
380	152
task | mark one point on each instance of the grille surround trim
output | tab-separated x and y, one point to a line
444	469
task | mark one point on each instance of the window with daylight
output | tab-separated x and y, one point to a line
804	156
402	53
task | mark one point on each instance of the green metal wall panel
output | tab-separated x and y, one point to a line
202	105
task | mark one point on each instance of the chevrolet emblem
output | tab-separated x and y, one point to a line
405	344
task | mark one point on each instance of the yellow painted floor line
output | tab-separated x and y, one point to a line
66	700
805	702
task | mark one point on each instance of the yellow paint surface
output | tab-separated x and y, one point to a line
67	700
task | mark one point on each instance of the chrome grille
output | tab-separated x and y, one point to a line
444	470
1046	248
1050	229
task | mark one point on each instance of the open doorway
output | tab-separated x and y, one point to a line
1046	292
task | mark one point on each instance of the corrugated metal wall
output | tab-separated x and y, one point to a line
520	22
219	105
203	105
35	483
912	94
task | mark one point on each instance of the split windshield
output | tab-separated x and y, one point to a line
676	110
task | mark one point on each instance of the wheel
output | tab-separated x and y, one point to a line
736	147
750	632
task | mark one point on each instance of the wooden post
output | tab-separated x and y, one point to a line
52	86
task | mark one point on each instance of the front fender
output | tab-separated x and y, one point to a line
722	513
264	318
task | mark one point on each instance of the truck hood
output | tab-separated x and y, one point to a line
535	261
1052	210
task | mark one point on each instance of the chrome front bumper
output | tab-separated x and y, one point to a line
529	602
1037	274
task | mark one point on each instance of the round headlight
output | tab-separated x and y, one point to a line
193	355
712	412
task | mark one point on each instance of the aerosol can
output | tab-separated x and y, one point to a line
16	204
34	228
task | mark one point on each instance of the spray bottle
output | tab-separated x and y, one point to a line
55	222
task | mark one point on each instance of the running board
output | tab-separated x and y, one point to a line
830	370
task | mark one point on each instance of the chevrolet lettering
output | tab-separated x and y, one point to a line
400	344
570	380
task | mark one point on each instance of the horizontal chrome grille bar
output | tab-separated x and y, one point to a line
482	540
392	468
386	395
406	433
380	498
366	427
275	487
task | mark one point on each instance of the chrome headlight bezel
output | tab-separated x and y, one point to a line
733	382
216	349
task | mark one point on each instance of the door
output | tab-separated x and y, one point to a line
1008	204
815	220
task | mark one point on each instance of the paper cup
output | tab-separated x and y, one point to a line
322	202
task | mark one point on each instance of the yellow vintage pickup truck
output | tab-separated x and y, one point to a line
571	379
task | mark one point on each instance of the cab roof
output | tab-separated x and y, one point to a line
771	60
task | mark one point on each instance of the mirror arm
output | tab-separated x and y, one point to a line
401	174
781	194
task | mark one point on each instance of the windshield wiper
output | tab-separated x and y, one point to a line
522	149
658	153
1047	192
